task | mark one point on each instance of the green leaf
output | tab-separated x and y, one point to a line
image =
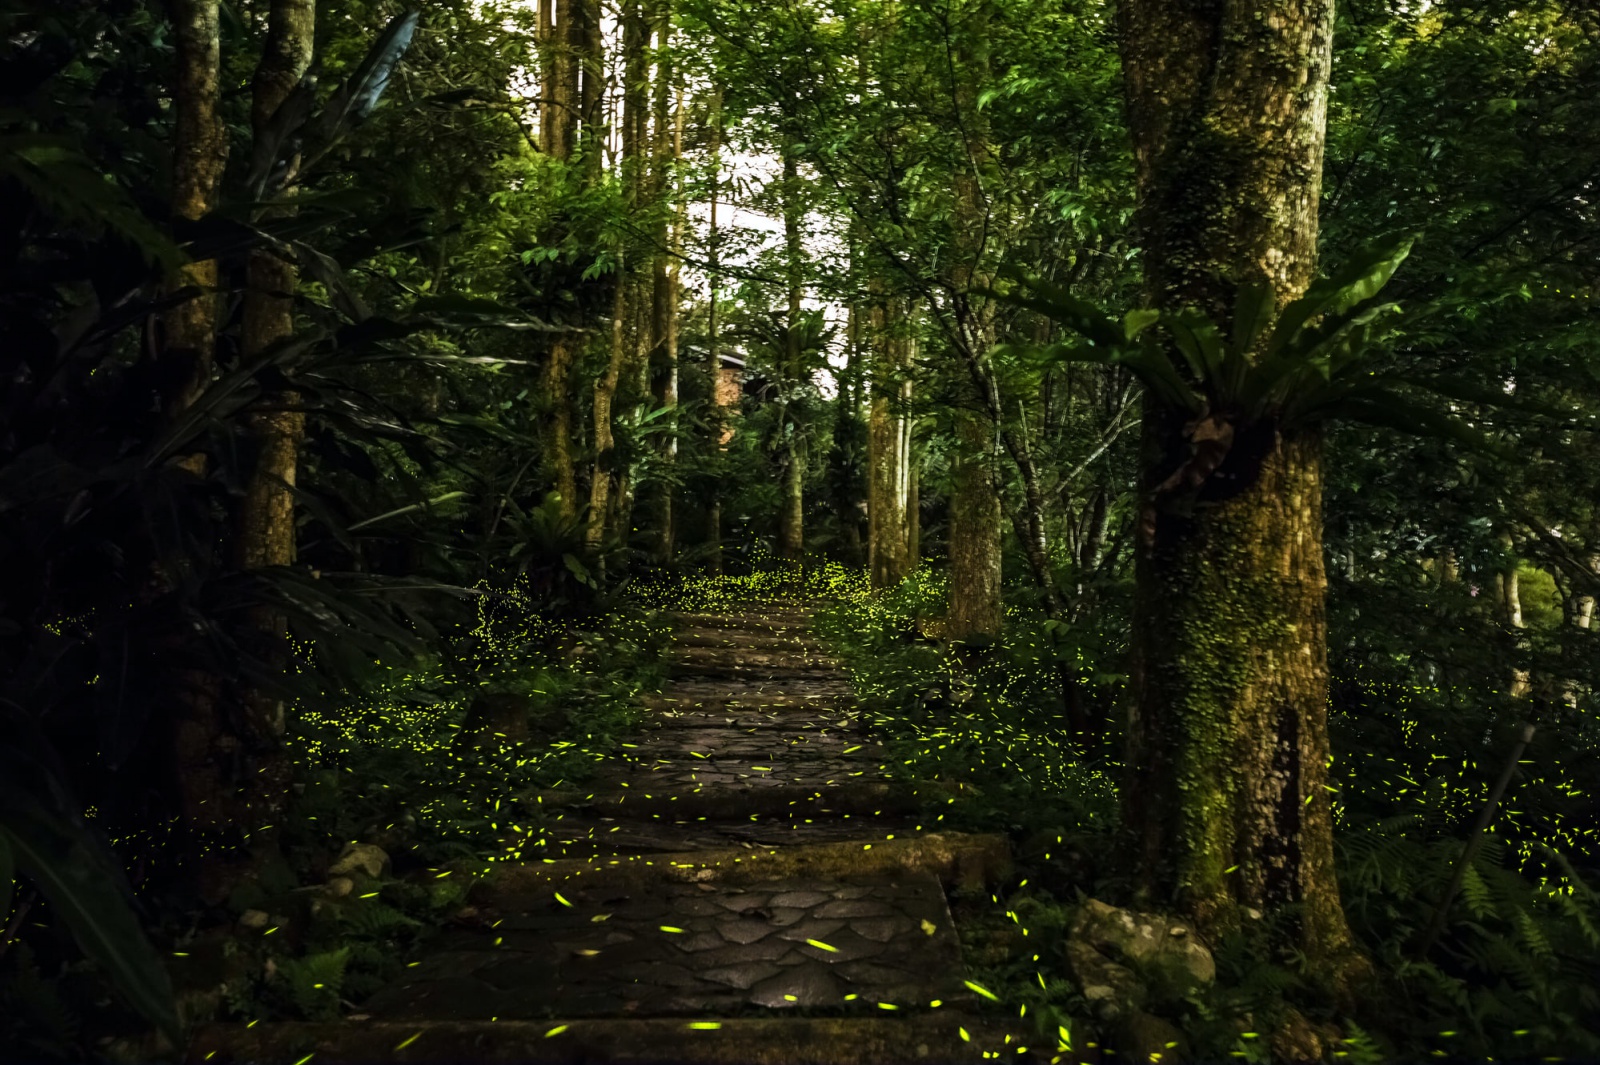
1391	410
1137	321
1156	371
356	98
1200	343
461	310
1358	280
90	895
1061	306
1253	306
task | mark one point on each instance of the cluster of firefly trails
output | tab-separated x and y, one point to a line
1004	735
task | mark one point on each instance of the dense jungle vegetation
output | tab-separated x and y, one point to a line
1181	418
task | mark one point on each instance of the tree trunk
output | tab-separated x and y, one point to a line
561	96
201	745
889	554
791	514
975	513
975	523
604	480
664	274
264	531
199	154
577	68
1509	587
719	434
1226	801
591	61
557	388
547	72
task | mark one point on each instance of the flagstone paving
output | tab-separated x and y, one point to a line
750	856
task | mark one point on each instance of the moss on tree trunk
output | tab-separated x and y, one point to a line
1227	808
1227	800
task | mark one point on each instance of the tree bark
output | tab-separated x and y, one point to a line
889	554
975	524
547	71
1227	807
719	434
664	272
201	745
791	513
561	96
975	514
604	482
264	531
199	155
576	69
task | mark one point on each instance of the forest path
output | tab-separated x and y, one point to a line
749	884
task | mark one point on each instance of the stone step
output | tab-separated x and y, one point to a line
689	695
583	835
754	655
776	798
816	688
726	638
696	742
934	1038
971	861
795	624
689	949
669	716
795	675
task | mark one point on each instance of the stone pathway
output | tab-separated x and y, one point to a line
748	884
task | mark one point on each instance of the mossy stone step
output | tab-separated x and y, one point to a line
931	1039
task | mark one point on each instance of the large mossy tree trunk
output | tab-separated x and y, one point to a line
1226	803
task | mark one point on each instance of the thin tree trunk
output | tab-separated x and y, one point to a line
199	740
1509	586
889	554
975	524
604	479
577	69
547	73
719	434
561	96
664	272
975	513
199	155
264	531
1226	803
791	514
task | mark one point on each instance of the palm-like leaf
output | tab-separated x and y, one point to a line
1307	371
83	883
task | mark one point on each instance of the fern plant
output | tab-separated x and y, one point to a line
1304	365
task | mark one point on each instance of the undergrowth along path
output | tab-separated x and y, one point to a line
749	883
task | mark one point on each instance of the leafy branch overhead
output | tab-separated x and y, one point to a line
275	160
1301	366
